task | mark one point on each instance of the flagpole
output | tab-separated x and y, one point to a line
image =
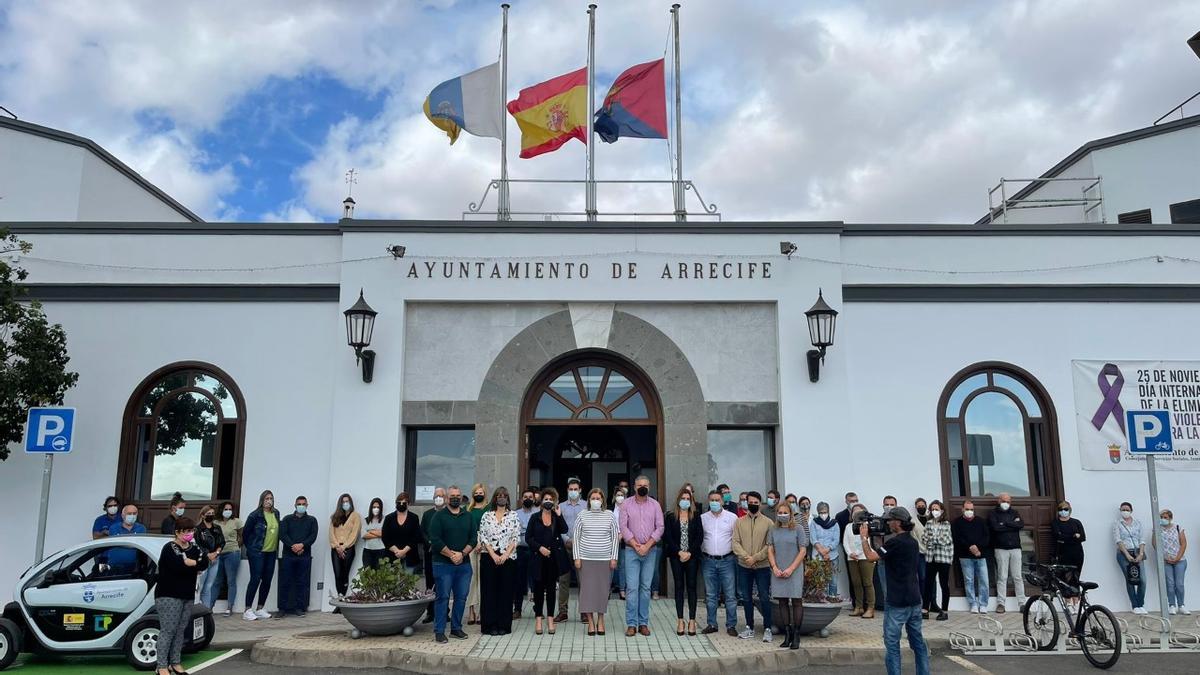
590	183
680	206
503	213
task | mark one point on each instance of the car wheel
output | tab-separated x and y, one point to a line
10	643
210	629
141	645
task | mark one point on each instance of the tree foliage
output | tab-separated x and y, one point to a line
33	352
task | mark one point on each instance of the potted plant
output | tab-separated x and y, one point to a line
383	600
820	609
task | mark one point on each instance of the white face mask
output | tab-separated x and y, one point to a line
346	506
1126	514
1004	506
439	501
594	504
970	513
178	513
936	513
618	499
227	514
375	510
112	510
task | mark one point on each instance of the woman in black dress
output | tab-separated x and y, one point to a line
1068	542
544	537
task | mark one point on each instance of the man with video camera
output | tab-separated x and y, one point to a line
888	539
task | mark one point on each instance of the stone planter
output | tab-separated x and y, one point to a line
817	617
382	618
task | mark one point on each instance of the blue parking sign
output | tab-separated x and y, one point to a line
1149	432
48	430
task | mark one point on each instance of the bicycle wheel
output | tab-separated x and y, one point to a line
1040	620
1100	637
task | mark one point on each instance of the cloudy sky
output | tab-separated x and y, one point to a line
857	111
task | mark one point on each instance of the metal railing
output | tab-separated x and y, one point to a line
1178	107
1087	201
707	210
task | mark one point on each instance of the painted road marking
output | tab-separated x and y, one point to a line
227	655
967	665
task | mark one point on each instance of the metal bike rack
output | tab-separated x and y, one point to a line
995	640
1133	642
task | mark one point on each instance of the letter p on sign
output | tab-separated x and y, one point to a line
49	430
1149	432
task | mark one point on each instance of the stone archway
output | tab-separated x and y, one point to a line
592	327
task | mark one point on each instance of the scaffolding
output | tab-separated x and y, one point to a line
1090	199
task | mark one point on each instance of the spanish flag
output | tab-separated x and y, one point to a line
552	113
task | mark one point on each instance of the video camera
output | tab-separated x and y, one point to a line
876	525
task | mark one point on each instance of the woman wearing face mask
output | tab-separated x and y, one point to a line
178	565
826	545
544	537
743	505
802	518
475	508
1068	537
262	546
595	551
938	541
618	579
344	526
231	556
403	537
862	571
178	507
373	550
212	543
1131	550
1173	546
786	550
790	499
683	535
499	530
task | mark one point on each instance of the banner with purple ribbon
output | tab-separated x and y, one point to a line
1104	390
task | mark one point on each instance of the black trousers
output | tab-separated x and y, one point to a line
371	558
521	583
429	580
684	575
495	594
341	569
936	573
545	585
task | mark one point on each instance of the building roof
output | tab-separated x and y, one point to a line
104	155
1092	146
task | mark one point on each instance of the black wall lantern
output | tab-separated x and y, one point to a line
822	319
360	324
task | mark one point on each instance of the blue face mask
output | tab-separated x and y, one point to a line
1164	521
685	504
715	507
130	518
573	495
1064	513
301	509
743	503
770	501
346	506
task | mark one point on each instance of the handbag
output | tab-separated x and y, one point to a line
1133	573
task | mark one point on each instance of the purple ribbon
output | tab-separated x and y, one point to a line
1111	405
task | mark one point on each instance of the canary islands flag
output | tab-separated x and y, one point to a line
552	113
636	105
468	103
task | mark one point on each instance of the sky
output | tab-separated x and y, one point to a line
872	112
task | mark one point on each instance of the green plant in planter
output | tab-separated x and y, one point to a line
388	582
817	574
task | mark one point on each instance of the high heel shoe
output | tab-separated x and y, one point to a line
550	630
537	626
691	628
679	627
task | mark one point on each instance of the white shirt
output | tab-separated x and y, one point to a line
718	532
853	543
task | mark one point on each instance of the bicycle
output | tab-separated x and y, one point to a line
1094	627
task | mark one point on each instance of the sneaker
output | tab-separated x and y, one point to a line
973	609
1185	610
983	609
228	612
767	635
746	634
250	615
1000	608
458	634
942	616
262	613
1172	609
440	637
1140	610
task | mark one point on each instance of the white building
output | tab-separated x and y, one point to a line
689	341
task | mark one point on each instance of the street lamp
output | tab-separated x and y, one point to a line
360	324
822	319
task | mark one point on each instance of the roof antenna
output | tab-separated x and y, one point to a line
9	112
348	202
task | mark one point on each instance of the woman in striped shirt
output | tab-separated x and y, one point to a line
596	541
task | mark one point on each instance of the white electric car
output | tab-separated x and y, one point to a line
94	598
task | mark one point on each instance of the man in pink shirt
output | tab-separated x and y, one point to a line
641	527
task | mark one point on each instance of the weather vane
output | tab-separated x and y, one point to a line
351	179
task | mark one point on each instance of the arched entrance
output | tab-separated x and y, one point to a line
594	416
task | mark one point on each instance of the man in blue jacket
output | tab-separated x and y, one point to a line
297	534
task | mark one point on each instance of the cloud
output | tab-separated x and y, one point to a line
868	111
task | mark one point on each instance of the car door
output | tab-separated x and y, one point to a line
82	600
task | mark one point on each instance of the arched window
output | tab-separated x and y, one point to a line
591	392
183	432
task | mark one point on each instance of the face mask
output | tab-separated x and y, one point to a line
795	508
268	503
209	518
301	509
439	502
111	510
527	503
752	508
743	503
921	510
130	518
851	505
804	508
401	506
1164	521
502	501
1126	514
375	510
770	501
547	505
936	513
1004	506
573	495
619	499
594	504
823	515
1064	513
178	513
685	504
455	502
727	497
715	507
783	517
227	514
346	507
969	513
478	499
643	490
187	536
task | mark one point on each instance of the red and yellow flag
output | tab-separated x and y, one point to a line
552	113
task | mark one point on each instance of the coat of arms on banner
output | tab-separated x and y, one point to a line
1114	453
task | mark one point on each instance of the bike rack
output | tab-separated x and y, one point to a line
1133	641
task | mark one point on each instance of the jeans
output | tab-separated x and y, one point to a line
262	570
835	568
208	584
1175	572
1008	563
880	586
618	581
719	580
975	581
294	573
910	618
639	572
748	578
450	580
1137	592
